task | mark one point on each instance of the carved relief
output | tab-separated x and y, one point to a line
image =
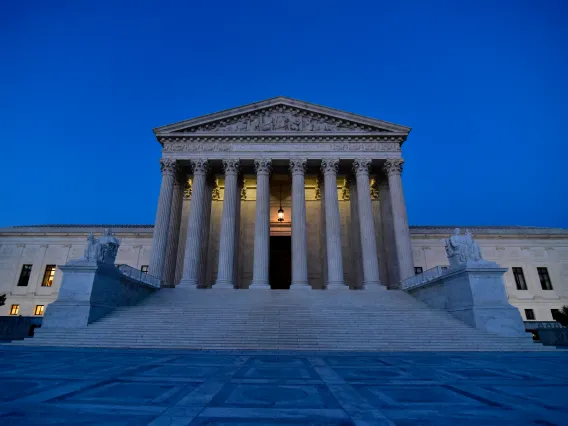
262	165
345	193
243	190
283	119
361	166
216	193
199	166
167	166
231	166
319	185
271	144
187	190
298	165
374	188
393	166
329	165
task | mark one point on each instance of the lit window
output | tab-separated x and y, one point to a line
144	268
25	275
519	278
529	314
39	309
15	310
544	278
48	276
418	270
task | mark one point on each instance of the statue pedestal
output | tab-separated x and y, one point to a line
90	290
475	293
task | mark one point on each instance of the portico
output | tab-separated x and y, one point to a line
337	175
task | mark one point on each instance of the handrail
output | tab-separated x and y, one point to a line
422	278
138	275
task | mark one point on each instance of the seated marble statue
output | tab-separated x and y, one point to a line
101	250
462	249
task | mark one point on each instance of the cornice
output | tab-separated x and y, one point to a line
285	102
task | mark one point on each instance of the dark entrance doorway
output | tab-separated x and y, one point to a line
280	262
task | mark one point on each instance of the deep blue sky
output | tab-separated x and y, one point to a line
483	84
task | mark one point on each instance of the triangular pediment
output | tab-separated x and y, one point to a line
281	115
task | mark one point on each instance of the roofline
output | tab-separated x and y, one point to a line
427	230
272	102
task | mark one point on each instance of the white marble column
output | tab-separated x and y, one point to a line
393	168
356	264
332	232
366	223
236	256
389	243
228	220
162	223
192	259
299	243
173	230
261	254
202	281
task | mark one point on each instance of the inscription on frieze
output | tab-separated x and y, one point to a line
275	147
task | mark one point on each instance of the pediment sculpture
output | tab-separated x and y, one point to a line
462	249
282	120
101	250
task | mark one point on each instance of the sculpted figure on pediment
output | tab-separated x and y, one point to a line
281	120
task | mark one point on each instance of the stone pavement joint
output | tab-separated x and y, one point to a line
181	387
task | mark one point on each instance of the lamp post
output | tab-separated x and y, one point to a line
280	211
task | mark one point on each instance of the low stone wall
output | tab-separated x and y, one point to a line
89	291
18	328
474	293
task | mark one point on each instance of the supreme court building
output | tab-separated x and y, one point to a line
324	170
283	194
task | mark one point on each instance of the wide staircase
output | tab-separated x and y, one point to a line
369	320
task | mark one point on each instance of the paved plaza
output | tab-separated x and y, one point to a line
161	387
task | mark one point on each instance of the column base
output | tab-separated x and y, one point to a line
259	285
371	284
300	285
336	285
187	283
224	284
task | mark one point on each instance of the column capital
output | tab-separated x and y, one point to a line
263	165
200	166
329	165
168	166
298	166
393	166
231	166
361	166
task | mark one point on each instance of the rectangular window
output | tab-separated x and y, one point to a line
25	275
48	276
529	314
544	278
39	309
519	278
418	270
144	268
15	310
554	312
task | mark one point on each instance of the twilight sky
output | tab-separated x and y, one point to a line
483	84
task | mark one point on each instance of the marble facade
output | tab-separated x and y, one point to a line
336	175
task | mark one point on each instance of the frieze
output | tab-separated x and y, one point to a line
227	147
